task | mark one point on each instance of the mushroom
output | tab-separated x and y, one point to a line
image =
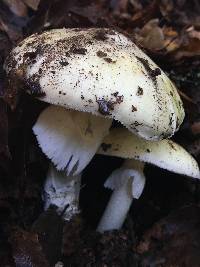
70	139
91	76
129	180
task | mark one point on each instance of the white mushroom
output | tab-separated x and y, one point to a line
128	181
70	139
101	75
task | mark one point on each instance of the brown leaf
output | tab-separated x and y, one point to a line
190	50
32	3
146	14
151	35
181	13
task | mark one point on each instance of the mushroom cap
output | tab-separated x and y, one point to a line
99	71
165	153
130	169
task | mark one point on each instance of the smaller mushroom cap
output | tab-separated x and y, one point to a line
165	153
99	71
130	169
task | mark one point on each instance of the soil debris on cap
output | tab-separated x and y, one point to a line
139	91
101	54
105	106
81	50
105	146
64	63
101	35
152	73
134	108
33	87
109	60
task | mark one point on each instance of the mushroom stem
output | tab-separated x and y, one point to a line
117	208
128	183
62	191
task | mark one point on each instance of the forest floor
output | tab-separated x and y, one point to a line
163	226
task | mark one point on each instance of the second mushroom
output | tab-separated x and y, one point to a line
128	181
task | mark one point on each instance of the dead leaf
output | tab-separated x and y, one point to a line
190	50
141	16
151	35
182	12
32	3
